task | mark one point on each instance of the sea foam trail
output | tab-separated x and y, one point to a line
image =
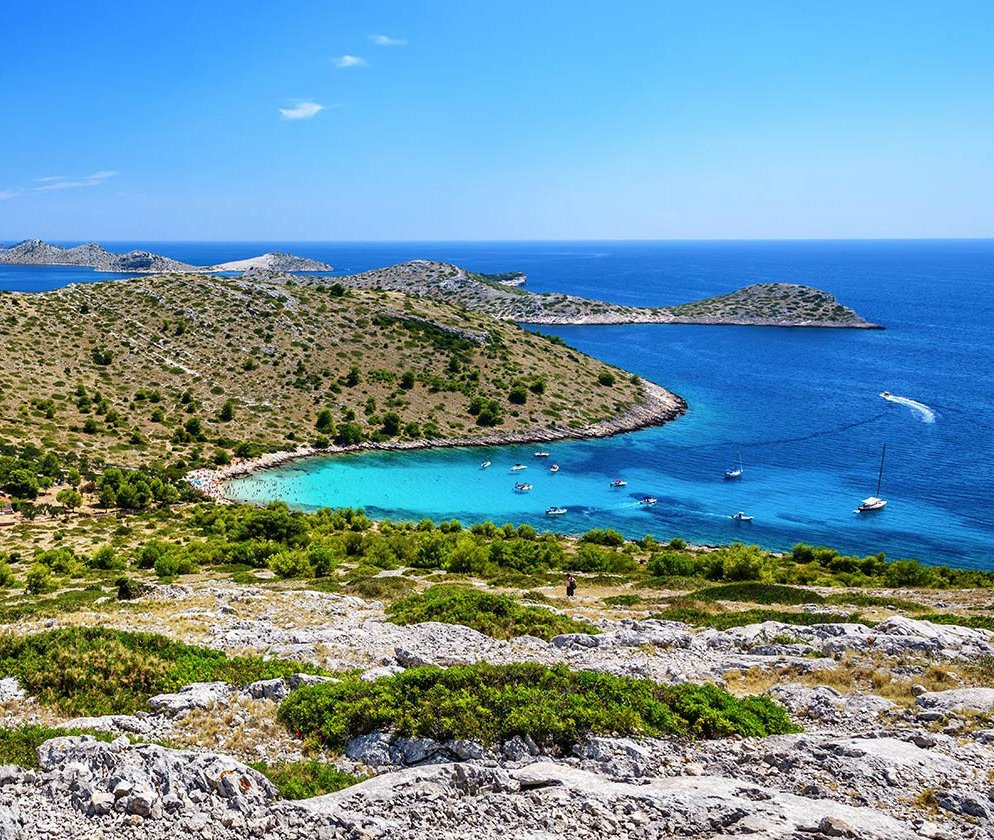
926	413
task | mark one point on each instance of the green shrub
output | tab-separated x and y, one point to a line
672	563
758	593
6	575
627	600
19	745
492	703
739	618
495	615
38	579
291	564
106	558
305	779
92	671
171	565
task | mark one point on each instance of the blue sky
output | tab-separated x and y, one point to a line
510	120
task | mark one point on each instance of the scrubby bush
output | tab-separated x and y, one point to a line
106	558
171	565
495	615
92	671
305	779
38	579
758	593
556	707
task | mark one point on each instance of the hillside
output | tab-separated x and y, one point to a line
171	367
768	304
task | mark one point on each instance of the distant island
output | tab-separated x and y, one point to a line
763	304
92	255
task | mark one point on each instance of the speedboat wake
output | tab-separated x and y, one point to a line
923	411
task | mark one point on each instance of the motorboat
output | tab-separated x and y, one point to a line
874	502
555	511
734	472
518	468
522	487
619	482
485	464
885	394
541	454
648	501
554	468
741	517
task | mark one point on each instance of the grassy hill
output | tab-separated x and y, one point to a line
166	367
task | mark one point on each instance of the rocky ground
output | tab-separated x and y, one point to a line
915	760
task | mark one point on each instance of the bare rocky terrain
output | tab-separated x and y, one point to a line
865	766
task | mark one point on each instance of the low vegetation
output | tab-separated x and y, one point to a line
19	744
305	779
92	671
758	593
556	707
499	616
724	619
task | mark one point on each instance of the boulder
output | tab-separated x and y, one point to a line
276	689
195	696
957	700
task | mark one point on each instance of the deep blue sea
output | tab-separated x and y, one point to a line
801	406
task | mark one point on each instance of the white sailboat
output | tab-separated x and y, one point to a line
874	502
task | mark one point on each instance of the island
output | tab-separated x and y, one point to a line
92	255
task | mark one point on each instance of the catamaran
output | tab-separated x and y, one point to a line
874	502
735	472
555	511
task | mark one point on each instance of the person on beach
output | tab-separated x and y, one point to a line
570	586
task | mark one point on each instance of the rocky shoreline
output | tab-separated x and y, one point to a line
658	406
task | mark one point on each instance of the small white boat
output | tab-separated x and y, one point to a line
874	502
541	454
885	394
741	517
522	487
648	501
484	465
554	468
734	472
555	511
618	482
518	468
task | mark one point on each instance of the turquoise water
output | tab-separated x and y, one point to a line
801	406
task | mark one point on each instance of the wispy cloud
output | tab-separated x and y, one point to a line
6	195
387	41
344	61
301	111
72	182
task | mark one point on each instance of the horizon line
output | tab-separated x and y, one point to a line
85	240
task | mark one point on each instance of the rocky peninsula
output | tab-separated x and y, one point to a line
92	255
764	304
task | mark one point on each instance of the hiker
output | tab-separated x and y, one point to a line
570	586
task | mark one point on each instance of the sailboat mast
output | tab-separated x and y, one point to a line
880	475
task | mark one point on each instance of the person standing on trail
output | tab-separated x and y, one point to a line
570	586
